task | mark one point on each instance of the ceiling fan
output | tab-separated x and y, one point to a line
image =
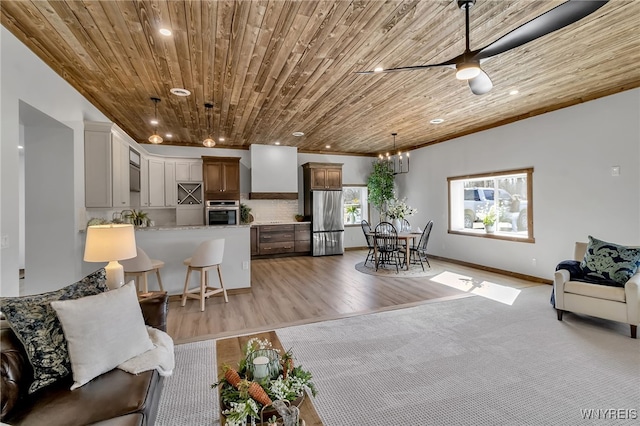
467	65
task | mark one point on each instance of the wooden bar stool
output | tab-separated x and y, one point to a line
140	267
207	256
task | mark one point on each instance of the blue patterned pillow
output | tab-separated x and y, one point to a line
608	261
36	324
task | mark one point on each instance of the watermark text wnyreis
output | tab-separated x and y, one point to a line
609	413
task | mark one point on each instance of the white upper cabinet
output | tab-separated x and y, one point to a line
170	189
120	172
144	181
106	167
188	170
156	182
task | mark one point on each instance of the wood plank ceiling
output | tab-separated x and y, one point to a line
273	67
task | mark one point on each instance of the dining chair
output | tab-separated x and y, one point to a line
406	226
140	267
420	250
366	229
386	241
207	256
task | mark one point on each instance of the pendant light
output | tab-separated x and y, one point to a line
155	138
209	142
396	162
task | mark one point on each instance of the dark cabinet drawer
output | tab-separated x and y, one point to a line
303	232
271	237
302	246
277	247
276	228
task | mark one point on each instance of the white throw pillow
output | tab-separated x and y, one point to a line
102	331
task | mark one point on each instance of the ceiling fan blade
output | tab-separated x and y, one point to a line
451	63
555	19
481	84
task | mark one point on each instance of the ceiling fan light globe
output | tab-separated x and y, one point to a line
209	143
155	139
467	71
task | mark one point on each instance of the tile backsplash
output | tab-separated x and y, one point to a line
272	210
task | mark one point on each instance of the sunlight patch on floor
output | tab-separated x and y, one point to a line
487	289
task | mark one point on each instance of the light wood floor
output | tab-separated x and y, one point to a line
297	290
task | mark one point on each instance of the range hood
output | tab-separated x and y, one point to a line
274	172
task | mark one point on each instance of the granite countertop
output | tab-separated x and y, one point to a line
183	227
278	222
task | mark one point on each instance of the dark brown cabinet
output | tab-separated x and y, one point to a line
253	232
221	177
302	241
276	239
322	176
281	240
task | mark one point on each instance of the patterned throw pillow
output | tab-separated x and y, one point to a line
36	324
608	261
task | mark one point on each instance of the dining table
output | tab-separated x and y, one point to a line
405	236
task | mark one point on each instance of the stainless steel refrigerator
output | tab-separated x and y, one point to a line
327	223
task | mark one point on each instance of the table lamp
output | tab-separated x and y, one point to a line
110	243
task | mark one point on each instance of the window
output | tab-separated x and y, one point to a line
494	205
356	207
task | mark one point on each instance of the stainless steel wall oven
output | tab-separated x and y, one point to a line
222	212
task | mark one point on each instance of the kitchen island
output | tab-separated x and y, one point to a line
173	244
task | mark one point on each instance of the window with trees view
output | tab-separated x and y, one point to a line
355	204
498	205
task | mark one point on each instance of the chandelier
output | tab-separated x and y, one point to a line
209	142
398	163
155	138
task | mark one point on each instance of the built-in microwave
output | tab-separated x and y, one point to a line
223	212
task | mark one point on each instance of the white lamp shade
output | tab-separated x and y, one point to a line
105	243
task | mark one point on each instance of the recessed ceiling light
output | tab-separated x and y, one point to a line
437	121
277	143
327	146
514	92
180	92
169	135
221	139
165	31
378	69
154	122
297	134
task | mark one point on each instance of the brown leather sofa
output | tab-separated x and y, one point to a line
114	398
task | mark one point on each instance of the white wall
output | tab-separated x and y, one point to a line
24	77
574	195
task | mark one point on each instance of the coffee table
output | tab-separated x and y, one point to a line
229	352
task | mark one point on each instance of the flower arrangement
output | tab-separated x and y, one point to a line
398	209
245	398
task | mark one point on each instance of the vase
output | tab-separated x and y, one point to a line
490	229
397	223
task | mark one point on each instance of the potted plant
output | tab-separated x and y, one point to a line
489	220
352	211
245	213
137	217
299	218
380	185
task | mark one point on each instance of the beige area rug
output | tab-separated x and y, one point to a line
470	361
415	271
